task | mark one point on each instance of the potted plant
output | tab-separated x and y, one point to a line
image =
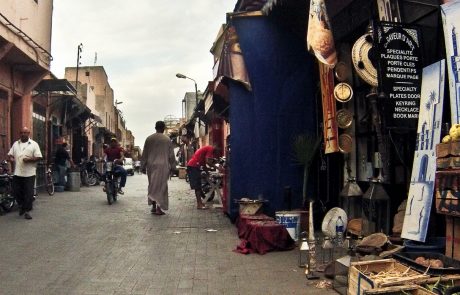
305	148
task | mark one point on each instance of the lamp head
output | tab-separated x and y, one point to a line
179	75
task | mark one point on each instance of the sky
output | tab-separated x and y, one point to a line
142	44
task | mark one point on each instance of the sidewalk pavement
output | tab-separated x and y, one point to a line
77	244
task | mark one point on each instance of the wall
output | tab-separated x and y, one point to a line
97	78
34	19
265	121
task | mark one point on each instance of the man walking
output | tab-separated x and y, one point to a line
60	160
157	161
25	153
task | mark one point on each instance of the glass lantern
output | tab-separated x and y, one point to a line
304	250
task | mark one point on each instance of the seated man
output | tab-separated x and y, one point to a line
114	153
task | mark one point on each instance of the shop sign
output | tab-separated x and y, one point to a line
400	73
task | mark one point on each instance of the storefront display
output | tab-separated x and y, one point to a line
424	167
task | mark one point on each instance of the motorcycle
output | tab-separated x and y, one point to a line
211	179
7	200
93	177
111	183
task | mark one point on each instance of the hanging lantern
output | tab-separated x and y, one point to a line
376	209
351	198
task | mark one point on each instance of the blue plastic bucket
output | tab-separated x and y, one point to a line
291	221
432	245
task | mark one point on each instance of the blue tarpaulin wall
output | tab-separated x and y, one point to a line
264	122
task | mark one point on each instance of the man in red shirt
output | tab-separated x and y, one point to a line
115	153
202	157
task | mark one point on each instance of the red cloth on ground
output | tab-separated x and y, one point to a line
261	234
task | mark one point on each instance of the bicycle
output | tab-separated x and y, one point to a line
7	200
48	182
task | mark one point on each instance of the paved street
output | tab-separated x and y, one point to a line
77	244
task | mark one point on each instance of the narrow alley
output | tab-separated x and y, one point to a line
77	244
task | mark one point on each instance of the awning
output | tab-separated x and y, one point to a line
216	98
55	85
96	118
231	62
75	109
105	132
249	5
292	14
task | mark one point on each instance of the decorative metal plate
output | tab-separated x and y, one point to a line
345	143
343	92
344	118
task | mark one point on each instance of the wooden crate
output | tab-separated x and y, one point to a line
361	275
448	149
403	290
443	150
453	237
447	184
448	163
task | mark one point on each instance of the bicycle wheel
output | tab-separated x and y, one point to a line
7	203
84	177
92	179
115	192
49	183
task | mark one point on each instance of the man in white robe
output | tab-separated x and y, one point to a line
157	161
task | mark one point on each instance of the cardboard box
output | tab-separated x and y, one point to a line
362	276
182	172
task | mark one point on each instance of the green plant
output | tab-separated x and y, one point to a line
305	148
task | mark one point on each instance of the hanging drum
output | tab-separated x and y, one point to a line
345	143
344	118
362	56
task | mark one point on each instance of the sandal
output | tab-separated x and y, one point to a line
204	207
158	213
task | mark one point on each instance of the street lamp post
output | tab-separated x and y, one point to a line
181	76
79	50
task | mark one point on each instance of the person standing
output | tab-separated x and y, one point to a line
202	158
157	161
60	160
25	153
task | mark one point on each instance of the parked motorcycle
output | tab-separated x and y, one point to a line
111	183
7	200
211	179
93	177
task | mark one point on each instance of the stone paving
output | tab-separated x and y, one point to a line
77	244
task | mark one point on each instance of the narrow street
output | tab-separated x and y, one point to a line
77	244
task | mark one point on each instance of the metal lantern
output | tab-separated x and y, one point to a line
376	209
304	249
327	250
351	198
